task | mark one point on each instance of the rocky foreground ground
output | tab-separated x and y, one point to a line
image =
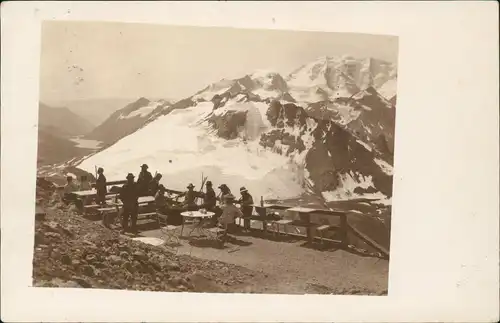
71	251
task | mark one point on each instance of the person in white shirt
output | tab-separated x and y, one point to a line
229	213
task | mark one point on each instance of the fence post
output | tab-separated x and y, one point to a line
309	228
262	212
343	230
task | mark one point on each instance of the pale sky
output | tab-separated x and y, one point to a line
88	60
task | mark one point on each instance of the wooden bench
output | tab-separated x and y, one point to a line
86	208
277	224
263	216
321	230
147	215
305	217
106	209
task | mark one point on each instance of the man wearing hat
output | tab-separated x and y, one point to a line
100	187
129	197
190	199
246	202
143	180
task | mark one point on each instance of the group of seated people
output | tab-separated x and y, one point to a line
222	205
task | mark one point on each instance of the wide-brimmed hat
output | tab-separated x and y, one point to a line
223	186
144	166
158	175
209	183
190	185
243	189
130	175
229	197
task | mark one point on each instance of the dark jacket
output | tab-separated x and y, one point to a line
190	197
209	199
153	187
100	185
143	181
246	202
129	194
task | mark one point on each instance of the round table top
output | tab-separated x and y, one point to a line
197	214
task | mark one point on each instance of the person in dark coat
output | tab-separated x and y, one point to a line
154	185
167	207
100	187
246	202
143	180
190	199
129	197
209	198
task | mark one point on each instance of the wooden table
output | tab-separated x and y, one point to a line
305	215
86	193
140	200
262	212
196	215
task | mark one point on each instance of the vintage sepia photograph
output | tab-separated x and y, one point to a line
214	160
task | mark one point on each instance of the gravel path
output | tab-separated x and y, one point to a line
288	267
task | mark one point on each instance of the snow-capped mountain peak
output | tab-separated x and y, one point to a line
340	76
319	129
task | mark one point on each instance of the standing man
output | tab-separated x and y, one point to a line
144	180
129	197
100	187
246	202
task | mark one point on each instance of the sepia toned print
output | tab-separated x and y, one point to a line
203	159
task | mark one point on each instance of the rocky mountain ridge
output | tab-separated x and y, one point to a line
339	147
